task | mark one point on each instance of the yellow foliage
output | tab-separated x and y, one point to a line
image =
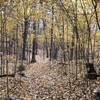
97	36
10	24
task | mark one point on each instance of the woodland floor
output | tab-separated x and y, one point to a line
44	81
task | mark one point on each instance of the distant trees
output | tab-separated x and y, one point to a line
58	15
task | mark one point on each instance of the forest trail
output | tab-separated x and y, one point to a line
39	68
45	83
42	81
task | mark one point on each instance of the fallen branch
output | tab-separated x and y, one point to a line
5	75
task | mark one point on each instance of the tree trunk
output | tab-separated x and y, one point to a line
25	38
47	53
52	34
34	51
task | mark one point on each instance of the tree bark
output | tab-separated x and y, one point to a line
34	51
52	34
25	38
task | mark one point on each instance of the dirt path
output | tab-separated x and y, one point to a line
42	82
39	68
